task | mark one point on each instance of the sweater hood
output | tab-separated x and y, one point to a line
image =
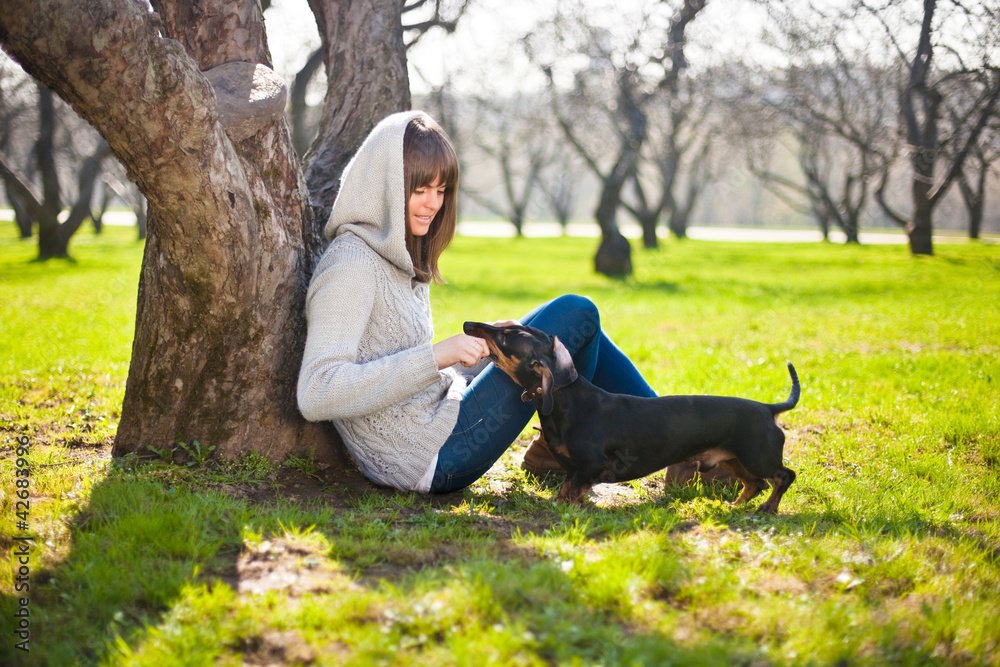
371	202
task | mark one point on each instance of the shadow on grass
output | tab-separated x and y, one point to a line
138	542
155	544
160	562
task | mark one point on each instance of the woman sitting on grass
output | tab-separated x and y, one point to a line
419	416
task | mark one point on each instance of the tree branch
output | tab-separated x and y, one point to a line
20	186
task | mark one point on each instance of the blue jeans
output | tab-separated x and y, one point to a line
492	414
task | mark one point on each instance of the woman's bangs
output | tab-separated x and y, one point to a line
432	157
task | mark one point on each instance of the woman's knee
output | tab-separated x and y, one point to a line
582	313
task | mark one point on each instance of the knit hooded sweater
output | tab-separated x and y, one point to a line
369	364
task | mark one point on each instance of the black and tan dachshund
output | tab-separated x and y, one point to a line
601	437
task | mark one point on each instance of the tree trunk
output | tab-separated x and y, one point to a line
852	227
366	76
220	324
22	217
614	254
974	196
140	216
215	32
97	216
297	107
49	242
53	235
88	178
649	239
679	221
919	106
920	227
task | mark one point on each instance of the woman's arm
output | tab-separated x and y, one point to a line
332	383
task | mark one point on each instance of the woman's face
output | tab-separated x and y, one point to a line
424	204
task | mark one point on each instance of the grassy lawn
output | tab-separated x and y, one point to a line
886	550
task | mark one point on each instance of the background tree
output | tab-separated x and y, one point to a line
609	96
15	106
973	180
45	206
512	131
677	153
559	183
929	77
980	163
833	101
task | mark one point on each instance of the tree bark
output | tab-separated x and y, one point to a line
365	61
220	325
215	32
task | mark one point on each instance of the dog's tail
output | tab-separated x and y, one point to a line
793	398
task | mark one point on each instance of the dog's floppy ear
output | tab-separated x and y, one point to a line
564	372
560	373
546	407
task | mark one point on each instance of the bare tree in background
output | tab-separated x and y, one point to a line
559	183
512	131
840	117
45	205
609	96
924	91
15	110
835	102
678	152
980	163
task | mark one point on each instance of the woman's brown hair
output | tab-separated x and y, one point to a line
427	156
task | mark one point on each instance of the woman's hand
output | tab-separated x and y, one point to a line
505	323
460	348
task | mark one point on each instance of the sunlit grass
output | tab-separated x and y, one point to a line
886	550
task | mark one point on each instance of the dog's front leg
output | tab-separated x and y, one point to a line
574	490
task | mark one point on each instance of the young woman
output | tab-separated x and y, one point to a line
419	416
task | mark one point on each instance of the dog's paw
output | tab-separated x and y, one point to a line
571	496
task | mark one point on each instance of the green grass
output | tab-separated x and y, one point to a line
886	550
